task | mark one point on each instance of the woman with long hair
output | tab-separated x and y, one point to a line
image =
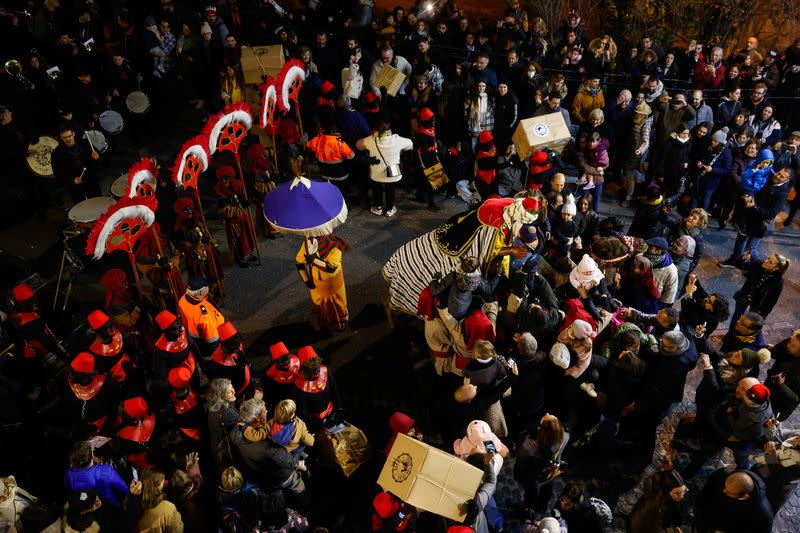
659	508
232	86
538	462
158	513
222	415
636	287
479	112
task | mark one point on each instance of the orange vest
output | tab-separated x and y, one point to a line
201	320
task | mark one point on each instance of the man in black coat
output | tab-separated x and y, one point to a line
74	165
757	219
734	500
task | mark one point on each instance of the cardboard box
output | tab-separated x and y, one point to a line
547	130
258	61
429	478
391	78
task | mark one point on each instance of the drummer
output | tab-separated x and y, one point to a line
122	80
75	165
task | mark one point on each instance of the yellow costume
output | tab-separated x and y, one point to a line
319	262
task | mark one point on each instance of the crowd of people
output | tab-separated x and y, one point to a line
554	332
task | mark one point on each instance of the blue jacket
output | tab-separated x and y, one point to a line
109	485
754	178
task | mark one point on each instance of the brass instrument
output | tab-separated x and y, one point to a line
14	69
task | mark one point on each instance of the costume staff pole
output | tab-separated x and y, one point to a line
172	288
251	227
135	272
210	257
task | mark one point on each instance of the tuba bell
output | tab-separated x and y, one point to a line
14	69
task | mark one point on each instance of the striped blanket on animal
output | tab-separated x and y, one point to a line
481	232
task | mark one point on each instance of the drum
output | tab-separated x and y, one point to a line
38	157
97	140
111	122
119	186
84	214
138	103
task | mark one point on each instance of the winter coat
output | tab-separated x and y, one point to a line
664	379
506	117
585	102
639	139
352	82
646	223
769	201
109	485
785	396
262	462
666	279
669	119
477	121
726	109
715	511
673	165
704	113
768	131
760	294
220	423
387	150
163	518
746	421
400	63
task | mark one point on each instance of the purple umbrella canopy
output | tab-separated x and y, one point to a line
305	207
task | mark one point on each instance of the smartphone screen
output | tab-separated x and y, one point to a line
135	473
490	447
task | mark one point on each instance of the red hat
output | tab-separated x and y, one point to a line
327	87
179	377
758	393
211	9
453	152
278	350
226	331
385	504
22	292
225	171
478	327
425	114
83	363
97	319
135	407
305	353
370	98
539	157
165	319
459	529
485	137
530	204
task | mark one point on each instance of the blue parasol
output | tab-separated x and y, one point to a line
305	207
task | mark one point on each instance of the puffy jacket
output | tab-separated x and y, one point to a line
109	485
585	102
387	150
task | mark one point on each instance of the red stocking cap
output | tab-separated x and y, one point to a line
179	377
226	331
305	353
83	363
165	319
97	319
23	292
135	407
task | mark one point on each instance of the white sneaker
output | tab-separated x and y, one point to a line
588	388
391	212
376	210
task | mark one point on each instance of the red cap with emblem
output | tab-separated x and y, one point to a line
23	292
179	377
135	407
83	363
165	319
226	331
306	353
485	137
278	350
425	114
758	393
97	319
530	204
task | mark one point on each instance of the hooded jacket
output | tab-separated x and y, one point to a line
715	511
585	102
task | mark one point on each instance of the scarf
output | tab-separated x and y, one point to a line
593	92
326	243
662	260
682	141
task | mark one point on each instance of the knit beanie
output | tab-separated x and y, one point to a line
751	358
721	136
559	354
569	207
581	329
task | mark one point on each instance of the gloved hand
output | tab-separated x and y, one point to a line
374	161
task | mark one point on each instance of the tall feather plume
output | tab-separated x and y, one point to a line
238	112
290	71
143	171
196	146
142	207
269	98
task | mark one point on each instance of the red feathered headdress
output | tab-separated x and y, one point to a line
142	178
226	130
121	225
290	79
192	160
269	103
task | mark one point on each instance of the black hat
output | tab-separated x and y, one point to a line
197	282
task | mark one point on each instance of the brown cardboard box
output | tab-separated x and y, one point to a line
429	478
547	130
260	60
391	78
